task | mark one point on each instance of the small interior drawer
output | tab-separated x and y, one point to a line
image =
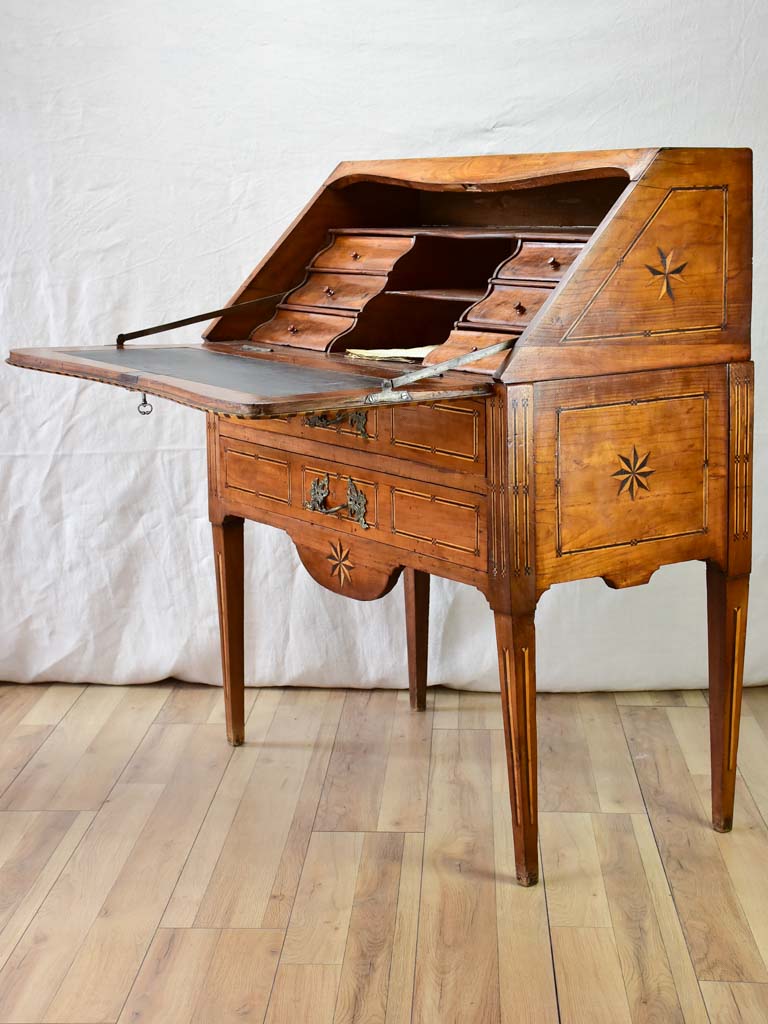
302	329
513	305
541	261
365	254
337	291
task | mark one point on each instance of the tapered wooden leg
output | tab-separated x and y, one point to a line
228	555
417	632
515	638
727	598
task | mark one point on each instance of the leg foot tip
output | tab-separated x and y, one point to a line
236	741
722	824
527	878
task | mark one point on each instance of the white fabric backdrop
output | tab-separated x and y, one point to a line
151	152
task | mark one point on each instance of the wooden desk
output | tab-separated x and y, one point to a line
606	432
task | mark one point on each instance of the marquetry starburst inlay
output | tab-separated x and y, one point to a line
669	271
341	566
633	474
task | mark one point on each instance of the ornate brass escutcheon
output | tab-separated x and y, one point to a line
357	419
355	504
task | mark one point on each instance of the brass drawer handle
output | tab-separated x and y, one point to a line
355	504
554	262
357	419
293	329
356	256
330	292
519	307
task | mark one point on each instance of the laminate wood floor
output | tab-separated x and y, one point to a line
353	861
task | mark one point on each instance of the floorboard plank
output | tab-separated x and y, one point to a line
404	792
678	954
566	782
574	882
446	708
242	881
526	972
280	903
648	980
745	853
27	907
718	935
35	787
18	748
195	877
38	964
317	933
240	977
351	798
618	790
736	1003
104	969
589	982
304	992
189	704
94	775
364	980
401	975
54	701
457	962
170	980
21	868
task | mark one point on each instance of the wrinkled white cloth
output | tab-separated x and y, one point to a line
151	153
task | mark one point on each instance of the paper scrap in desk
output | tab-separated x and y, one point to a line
400	355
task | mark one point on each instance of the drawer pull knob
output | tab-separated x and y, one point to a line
293	329
519	307
355	255
329	291
355	505
357	419
554	262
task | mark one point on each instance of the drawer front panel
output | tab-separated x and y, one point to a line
365	254
630	472
509	304
337	291
264	474
449	435
649	461
302	329
439	521
450	431
542	261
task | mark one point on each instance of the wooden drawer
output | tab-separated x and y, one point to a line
543	261
443	522
337	291
514	305
302	329
365	254
448	435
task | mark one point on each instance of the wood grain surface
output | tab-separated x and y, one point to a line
384	888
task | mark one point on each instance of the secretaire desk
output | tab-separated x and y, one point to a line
585	408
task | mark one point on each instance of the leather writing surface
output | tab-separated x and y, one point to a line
237	373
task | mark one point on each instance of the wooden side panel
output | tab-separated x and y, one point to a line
630	474
511	500
665	280
741	416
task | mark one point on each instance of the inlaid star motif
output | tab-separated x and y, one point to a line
667	272
633	474
340	563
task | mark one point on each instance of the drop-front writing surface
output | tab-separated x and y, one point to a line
585	408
